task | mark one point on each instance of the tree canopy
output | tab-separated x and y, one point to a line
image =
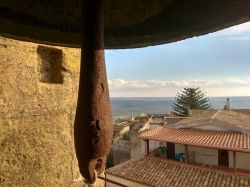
188	99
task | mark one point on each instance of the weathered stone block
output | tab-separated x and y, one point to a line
37	115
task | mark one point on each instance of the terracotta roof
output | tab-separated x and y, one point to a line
120	126
159	172
119	120
202	114
243	111
240	120
233	141
230	120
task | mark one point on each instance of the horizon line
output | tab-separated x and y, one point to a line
164	96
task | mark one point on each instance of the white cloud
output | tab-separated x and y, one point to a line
151	84
238	81
234	86
120	83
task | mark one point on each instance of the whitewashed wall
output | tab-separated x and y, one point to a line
243	161
204	155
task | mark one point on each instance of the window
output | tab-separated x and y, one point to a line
50	65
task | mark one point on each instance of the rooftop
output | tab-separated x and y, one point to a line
121	128
233	141
231	120
159	172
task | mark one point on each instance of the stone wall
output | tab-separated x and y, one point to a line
131	148
121	150
137	147
38	91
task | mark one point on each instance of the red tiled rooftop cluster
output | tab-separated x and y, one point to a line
160	173
233	141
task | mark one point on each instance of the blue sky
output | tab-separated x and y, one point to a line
219	63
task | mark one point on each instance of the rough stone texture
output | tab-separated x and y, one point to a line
121	151
124	150
37	108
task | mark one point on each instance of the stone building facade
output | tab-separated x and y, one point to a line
38	91
129	145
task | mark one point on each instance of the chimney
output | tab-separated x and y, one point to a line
228	105
132	116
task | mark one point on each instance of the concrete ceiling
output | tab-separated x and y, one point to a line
128	23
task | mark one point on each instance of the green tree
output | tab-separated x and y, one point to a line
188	99
110	160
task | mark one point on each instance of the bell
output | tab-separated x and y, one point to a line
90	24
